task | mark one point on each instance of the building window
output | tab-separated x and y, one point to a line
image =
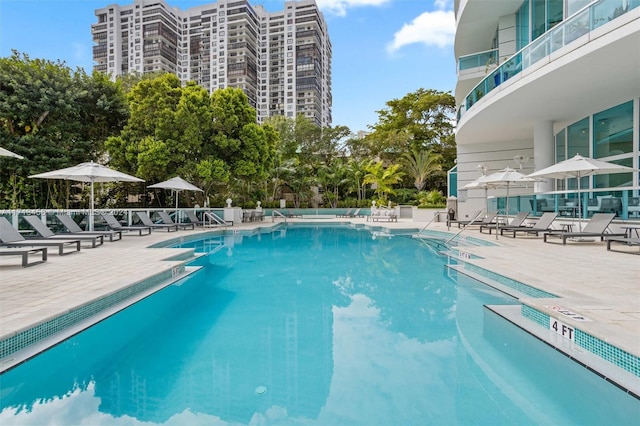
578	143
616	179
613	131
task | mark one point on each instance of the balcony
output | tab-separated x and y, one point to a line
477	60
582	23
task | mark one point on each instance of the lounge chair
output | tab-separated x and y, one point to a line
191	215
629	241
542	225
517	221
489	219
596	227
475	216
356	213
114	225
146	221
166	219
25	252
44	231
10	237
347	213
74	229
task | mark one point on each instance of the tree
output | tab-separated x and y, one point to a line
299	179
383	178
421	120
55	118
428	116
420	165
212	140
356	173
332	177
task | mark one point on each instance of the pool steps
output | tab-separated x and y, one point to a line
610	362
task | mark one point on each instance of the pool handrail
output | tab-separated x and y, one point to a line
471	222
212	219
275	213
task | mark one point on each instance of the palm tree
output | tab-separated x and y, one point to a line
332	176
356	172
420	165
382	178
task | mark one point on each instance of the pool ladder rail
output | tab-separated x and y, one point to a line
212	220
275	214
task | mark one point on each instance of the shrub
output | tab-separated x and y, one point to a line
431	199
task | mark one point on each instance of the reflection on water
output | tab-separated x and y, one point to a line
322	326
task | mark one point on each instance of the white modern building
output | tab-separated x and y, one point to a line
281	60
540	81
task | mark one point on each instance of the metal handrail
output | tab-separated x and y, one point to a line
275	213
471	222
429	223
213	218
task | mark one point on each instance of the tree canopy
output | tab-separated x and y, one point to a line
210	140
155	127
55	117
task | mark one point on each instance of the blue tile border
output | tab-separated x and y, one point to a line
511	283
596	346
46	329
464	240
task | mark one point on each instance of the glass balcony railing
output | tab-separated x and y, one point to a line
581	23
481	59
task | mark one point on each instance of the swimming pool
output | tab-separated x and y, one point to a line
315	325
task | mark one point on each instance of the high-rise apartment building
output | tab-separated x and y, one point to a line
281	60
540	81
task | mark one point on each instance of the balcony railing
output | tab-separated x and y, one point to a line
581	23
480	59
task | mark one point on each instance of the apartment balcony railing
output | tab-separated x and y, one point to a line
476	60
563	34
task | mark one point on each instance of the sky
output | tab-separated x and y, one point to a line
382	49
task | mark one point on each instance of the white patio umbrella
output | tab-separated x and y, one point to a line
480	183
88	172
176	184
506	177
7	153
579	167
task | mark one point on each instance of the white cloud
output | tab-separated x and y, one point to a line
431	28
339	7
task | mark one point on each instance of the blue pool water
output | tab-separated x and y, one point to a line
311	325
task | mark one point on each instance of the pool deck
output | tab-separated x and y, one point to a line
602	286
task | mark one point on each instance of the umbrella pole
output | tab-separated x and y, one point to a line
486	200
579	206
91	209
506	212
177	194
